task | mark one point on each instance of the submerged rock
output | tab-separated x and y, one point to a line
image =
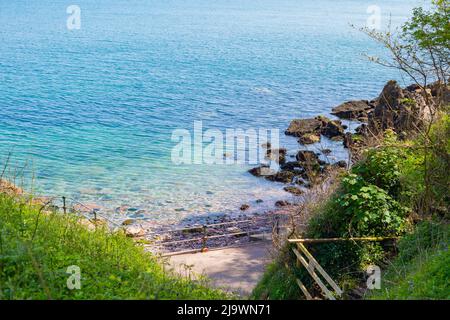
128	222
282	203
244	207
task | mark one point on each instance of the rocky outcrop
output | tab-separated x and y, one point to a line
354	110
299	127
332	128
310	130
402	110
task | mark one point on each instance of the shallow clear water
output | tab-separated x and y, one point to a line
92	110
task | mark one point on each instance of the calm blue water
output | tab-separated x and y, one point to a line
91	111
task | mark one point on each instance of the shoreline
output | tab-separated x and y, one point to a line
300	170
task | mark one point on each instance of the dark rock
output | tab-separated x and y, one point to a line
362	129
353	110
259	201
244	207
321	162
282	203
348	140
341	164
337	138
260	171
300	127
309	130
307	156
292	165
282	176
326	151
278	155
294	190
309	138
331	128
413	87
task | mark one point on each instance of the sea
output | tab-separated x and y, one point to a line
92	93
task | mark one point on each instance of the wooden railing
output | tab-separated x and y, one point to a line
327	285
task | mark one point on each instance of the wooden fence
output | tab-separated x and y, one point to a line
327	285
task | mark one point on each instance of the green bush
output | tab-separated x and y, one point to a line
36	249
382	166
368	210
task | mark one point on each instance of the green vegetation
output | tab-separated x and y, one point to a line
421	270
36	248
399	188
380	196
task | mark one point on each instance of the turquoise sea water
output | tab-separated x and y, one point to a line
91	111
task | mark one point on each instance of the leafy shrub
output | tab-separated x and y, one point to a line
382	166
369	210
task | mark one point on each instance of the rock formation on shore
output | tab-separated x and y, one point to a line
402	110
310	130
354	110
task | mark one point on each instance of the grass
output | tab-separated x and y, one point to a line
36	249
421	269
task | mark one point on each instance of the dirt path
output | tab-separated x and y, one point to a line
234	269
